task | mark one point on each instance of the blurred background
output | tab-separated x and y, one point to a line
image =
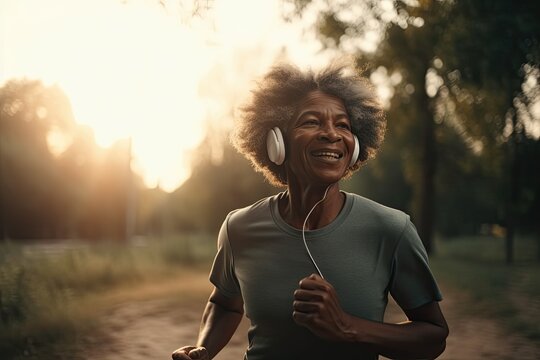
116	169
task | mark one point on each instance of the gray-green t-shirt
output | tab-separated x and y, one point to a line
366	252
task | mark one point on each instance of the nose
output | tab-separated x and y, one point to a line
329	133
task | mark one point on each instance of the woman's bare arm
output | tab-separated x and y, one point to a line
316	307
423	336
219	322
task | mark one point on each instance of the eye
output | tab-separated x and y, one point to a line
310	122
343	125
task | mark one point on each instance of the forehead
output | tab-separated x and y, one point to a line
320	101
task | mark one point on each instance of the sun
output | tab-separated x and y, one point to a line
135	69
130	70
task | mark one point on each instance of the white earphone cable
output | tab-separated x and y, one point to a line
304	231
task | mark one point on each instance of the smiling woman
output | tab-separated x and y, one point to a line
365	250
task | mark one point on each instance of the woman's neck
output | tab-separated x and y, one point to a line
298	201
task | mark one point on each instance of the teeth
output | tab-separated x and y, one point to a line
329	154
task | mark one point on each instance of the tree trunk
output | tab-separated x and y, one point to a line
509	236
538	242
3	216
514	193
130	211
427	179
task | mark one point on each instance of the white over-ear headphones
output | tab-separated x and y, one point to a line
275	146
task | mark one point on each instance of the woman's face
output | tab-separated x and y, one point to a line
320	141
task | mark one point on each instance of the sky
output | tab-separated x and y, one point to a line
154	73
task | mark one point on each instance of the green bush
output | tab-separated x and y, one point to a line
510	293
41	293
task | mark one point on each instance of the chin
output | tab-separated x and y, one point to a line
329	178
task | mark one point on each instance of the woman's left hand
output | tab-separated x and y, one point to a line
316	306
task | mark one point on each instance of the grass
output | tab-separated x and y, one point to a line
50	298
508	293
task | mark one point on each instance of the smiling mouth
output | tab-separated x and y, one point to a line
327	155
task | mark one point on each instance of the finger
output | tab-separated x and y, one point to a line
310	283
301	318
315	277
198	353
312	277
306	307
180	355
310	295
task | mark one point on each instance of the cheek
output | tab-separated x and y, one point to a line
296	154
350	143
295	144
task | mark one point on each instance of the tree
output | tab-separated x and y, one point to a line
459	63
410	36
492	61
29	181
55	182
221	180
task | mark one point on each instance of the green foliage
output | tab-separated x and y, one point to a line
68	189
43	288
509	294
383	179
463	145
217	186
28	111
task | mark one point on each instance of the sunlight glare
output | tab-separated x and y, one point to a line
129	71
134	69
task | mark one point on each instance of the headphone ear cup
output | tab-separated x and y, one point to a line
275	146
356	152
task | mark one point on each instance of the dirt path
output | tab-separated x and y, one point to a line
474	337
151	329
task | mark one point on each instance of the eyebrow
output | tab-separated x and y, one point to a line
319	113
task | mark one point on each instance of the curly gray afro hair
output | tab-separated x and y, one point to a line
275	100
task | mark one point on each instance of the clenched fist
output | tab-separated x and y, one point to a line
316	306
190	353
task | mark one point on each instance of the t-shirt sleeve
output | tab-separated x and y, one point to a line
222	274
413	284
